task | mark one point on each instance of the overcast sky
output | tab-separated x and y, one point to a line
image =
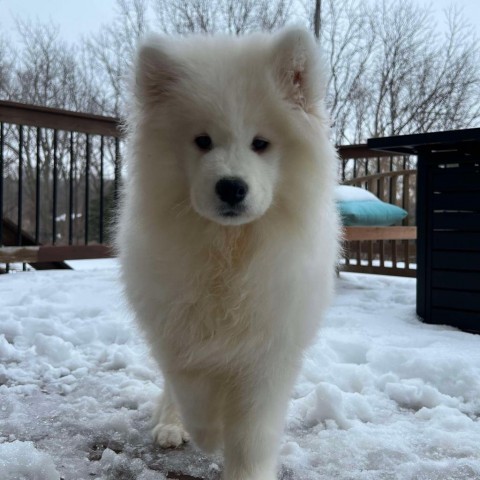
84	17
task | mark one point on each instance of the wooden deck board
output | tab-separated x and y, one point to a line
379	233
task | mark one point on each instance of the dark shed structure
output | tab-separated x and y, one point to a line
448	222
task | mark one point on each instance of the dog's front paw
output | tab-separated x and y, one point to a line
169	436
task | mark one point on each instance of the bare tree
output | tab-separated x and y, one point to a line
47	72
392	72
109	53
111	50
232	16
7	61
187	15
348	43
272	15
422	83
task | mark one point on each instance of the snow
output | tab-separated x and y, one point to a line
22	460
349	193
381	396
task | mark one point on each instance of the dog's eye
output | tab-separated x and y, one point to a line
204	142
259	144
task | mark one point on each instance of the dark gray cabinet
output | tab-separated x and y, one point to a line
448	223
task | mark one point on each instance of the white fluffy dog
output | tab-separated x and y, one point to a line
228	233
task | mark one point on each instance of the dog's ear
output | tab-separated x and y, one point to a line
297	67
156	72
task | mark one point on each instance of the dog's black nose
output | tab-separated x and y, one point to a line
231	190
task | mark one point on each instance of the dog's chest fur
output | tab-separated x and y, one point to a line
217	306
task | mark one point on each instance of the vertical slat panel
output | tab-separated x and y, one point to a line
381	188
422	217
359	252
406	253
393	190
391	183
370	252
394	253
117	172
406	198
379	183
371	186
347	252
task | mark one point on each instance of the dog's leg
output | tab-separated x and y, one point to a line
201	403
168	430
254	420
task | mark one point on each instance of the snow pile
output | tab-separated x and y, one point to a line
22	460
381	395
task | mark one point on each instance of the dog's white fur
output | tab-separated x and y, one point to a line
228	304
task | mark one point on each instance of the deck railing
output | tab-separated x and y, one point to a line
59	181
392	178
60	174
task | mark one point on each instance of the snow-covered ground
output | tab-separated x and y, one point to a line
381	395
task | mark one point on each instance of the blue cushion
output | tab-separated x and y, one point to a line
370	213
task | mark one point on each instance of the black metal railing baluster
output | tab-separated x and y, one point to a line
20	185
1	182
55	187
87	186
70	193
37	188
101	191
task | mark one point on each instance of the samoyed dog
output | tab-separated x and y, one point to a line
228	233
